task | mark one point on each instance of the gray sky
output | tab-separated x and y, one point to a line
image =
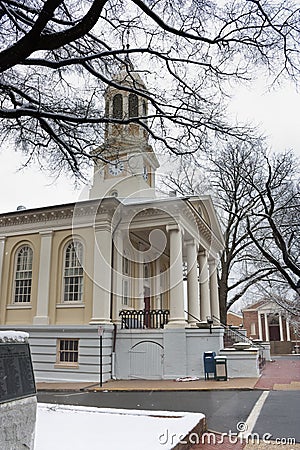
278	114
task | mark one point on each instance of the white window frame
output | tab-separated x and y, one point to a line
73	278
23	276
68	355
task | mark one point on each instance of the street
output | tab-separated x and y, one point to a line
224	410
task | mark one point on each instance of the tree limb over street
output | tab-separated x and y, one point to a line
257	197
58	56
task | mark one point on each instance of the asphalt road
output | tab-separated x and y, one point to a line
280	415
224	410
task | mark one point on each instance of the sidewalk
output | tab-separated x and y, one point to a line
281	374
153	385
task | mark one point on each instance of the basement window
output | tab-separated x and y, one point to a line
67	352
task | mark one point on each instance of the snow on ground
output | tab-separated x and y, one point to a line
63	427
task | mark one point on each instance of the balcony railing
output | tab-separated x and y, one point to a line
141	319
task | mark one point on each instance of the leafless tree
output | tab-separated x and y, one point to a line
223	176
242	266
274	224
58	56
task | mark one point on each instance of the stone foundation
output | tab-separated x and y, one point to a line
17	424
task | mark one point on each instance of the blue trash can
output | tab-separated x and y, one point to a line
209	364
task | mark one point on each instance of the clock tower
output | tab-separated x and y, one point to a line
125	163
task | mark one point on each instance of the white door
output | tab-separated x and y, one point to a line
146	360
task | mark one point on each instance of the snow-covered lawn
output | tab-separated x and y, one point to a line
63	427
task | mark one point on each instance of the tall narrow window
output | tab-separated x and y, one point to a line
144	105
125	266
133	105
73	272
146	271
118	106
126	282
23	275
125	300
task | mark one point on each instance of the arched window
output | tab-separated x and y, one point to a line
73	272
23	275
133	105
118	106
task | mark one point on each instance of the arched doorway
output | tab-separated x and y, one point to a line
146	360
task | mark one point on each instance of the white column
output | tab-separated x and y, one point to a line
156	286
2	250
281	327
42	307
102	275
140	279
204	287
260	336
266	327
214	289
117	276
177	319
288	331
192	283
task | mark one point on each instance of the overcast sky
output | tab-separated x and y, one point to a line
278	114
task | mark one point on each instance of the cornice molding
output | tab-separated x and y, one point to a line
54	216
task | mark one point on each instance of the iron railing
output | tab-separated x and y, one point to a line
140	319
233	336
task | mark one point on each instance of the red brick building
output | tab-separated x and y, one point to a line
266	321
234	319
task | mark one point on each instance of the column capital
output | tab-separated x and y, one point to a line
47	233
173	227
3	238
102	227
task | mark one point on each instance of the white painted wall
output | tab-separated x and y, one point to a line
43	346
183	350
242	364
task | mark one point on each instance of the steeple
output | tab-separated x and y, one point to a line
124	100
130	163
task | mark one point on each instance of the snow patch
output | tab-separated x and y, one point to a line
63	427
13	336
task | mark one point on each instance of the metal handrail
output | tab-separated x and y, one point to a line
243	338
237	333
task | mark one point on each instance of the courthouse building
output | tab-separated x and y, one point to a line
136	269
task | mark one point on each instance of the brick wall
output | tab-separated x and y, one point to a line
233	319
250	317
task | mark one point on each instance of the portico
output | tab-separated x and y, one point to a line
170	259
